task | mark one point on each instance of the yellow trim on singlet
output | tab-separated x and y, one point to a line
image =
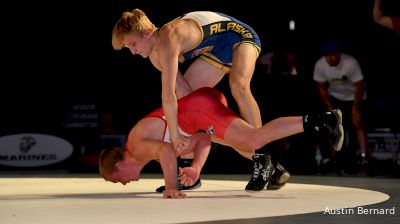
258	48
215	62
181	57
210	58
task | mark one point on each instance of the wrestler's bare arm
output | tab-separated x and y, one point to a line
170	45
146	150
201	144
182	87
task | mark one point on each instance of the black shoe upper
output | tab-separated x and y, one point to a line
279	178
327	125
262	173
181	187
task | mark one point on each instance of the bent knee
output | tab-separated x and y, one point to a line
239	86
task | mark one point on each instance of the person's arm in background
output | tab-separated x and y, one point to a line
323	92
379	17
322	84
358	97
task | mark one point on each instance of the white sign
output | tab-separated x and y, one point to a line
32	150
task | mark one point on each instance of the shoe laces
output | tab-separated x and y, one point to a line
267	170
257	170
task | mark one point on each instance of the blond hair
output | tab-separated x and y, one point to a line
131	22
107	160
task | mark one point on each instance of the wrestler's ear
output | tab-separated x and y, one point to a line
119	165
147	33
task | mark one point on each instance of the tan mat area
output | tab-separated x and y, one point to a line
73	200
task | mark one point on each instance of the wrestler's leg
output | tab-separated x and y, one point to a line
203	74
245	153
243	65
279	178
241	135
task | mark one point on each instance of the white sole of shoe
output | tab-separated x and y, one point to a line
284	178
339	128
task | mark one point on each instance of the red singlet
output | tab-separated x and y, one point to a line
204	109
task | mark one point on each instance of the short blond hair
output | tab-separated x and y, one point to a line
107	160
131	22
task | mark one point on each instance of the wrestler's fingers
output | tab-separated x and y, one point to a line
183	182
187	181
183	176
173	195
182	179
167	195
181	195
190	181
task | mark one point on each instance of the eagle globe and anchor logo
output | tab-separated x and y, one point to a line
27	143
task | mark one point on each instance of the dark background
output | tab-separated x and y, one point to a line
59	54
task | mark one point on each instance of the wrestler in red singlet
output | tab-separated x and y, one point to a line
204	109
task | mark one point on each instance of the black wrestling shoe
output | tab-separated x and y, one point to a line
328	124
160	189
181	187
262	173
279	178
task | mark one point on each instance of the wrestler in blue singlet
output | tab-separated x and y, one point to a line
221	33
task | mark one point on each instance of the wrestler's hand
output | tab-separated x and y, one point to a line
174	194
181	143
188	176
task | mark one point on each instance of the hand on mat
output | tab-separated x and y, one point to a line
174	194
188	176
